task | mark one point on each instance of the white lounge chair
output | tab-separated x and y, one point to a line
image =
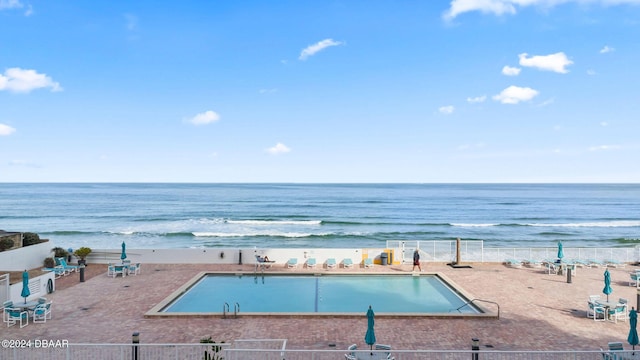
292	263
368	263
331	263
513	263
133	269
311	263
347	263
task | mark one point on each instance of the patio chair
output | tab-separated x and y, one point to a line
58	271
619	312
596	311
368	263
292	263
347	263
594	263
42	312
331	263
114	270
552	268
352	348
615	263
634	278
5	309
311	263
133	269
532	263
15	315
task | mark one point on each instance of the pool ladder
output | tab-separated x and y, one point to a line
225	309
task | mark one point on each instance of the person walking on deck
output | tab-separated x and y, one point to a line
416	260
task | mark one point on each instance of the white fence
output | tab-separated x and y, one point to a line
62	351
474	251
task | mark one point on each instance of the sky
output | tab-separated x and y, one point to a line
352	91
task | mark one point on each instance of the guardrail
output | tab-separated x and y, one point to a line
205	351
475	251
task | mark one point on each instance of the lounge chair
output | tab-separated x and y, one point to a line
58	271
352	348
67	267
262	263
613	348
614	263
42	312
368	263
311	263
596	311
347	263
532	263
513	263
634	279
15	315
331	263
292	263
594	263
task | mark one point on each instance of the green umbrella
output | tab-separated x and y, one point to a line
560	252
370	336
633	332
25	286
124	254
607	284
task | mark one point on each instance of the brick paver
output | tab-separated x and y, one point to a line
537	312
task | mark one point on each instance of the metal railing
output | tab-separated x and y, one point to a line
275	350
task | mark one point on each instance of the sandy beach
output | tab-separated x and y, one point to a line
537	312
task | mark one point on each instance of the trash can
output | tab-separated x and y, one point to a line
384	258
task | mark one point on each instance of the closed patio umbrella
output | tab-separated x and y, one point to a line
607	284
123	255
25	286
370	336
560	251
633	331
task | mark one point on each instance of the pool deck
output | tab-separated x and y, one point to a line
537	312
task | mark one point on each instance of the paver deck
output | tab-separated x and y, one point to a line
537	312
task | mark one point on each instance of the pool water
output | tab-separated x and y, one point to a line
321	294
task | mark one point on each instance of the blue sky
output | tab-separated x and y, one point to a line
320	91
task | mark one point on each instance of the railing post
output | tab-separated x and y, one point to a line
475	348
135	340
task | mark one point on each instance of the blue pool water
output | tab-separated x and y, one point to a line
321	294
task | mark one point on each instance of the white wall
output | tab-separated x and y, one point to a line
27	257
37	287
229	256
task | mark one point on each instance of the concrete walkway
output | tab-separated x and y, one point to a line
538	312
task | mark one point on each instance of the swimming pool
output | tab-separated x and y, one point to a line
318	294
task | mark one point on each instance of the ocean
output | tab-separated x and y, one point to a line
156	215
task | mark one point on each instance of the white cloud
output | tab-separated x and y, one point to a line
510	71
24	163
279	148
23	81
204	118
606	49
466	147
547	102
604	123
604	147
10	4
515	94
591	72
501	7
268	91
446	109
319	46
29	11
477	99
553	62
6	130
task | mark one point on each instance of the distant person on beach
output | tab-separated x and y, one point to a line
263	259
416	260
